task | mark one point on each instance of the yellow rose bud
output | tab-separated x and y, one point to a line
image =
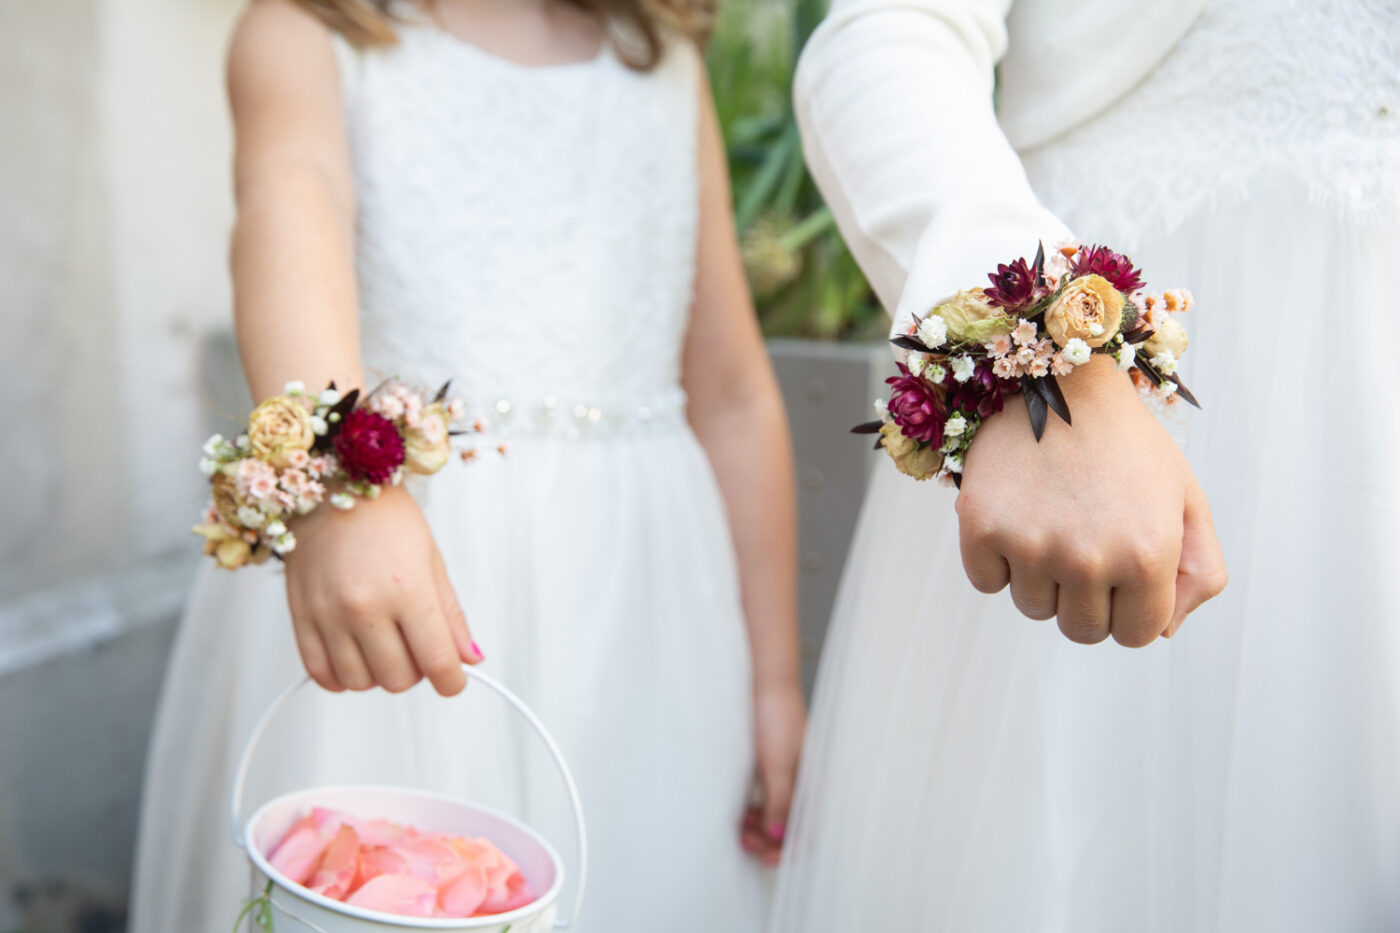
908	456
1167	336
427	447
233	553
279	427
971	318
1089	308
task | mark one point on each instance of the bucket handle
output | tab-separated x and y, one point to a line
580	835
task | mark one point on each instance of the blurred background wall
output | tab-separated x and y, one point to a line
116	360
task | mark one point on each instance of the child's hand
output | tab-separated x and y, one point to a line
370	599
1101	524
780	719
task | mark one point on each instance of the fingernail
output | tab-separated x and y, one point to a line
476	650
776	831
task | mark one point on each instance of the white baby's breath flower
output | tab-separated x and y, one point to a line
284	543
372	491
295	387
963	368
1095	329
328	397
275	529
250	516
212	446
1076	351
954	426
936	373
208	466
242	443
953	463
882	409
916	362
1165	362
1166	390
933	331
1125	356
342	501
318	425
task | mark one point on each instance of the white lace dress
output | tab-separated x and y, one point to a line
970	770
530	233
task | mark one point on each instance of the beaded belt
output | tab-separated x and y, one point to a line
574	419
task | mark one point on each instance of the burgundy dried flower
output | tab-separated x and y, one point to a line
369	446
1115	267
983	393
1015	287
916	406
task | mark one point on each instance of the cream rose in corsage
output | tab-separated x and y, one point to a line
428	445
971	318
1088	309
278	428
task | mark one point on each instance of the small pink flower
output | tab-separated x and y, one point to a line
456	408
999	346
255	478
1005	368
1026	355
298	459
1061	366
320	466
1039	368
1045	349
295	481
285	499
262	488
1024	334
388	405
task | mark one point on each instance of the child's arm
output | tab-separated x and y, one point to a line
370	600
737	413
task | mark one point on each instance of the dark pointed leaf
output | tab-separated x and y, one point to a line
1039	263
957	480
1049	388
905	342
868	427
442	393
1183	391
880	443
1139	336
1035	406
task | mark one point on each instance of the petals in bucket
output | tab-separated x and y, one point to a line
405	895
336	873
385	867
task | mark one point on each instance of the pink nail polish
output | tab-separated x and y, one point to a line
477	651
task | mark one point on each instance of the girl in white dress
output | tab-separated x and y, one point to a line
973	771
529	198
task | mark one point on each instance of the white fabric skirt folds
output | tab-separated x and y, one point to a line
598	577
970	770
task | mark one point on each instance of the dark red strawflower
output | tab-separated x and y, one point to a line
1115	267
916	407
1015	287
369	446
983	393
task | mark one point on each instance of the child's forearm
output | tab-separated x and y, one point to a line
747	445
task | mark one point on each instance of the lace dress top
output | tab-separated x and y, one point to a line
529	232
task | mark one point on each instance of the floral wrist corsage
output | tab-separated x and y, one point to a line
300	446
1035	323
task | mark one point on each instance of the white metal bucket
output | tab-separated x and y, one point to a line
294	909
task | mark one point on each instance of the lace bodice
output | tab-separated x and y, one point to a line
527	231
1307	90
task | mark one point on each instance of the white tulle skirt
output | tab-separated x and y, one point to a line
598	577
970	770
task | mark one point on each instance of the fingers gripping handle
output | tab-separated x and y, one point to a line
580	834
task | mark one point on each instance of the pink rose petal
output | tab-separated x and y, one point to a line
300	851
464	896
405	895
337	870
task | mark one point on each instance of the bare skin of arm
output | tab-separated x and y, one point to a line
370	600
737	413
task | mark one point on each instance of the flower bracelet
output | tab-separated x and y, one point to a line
1035	323
299	446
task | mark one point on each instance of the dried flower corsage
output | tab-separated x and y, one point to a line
1034	323
302	449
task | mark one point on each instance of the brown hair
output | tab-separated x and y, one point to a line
369	23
